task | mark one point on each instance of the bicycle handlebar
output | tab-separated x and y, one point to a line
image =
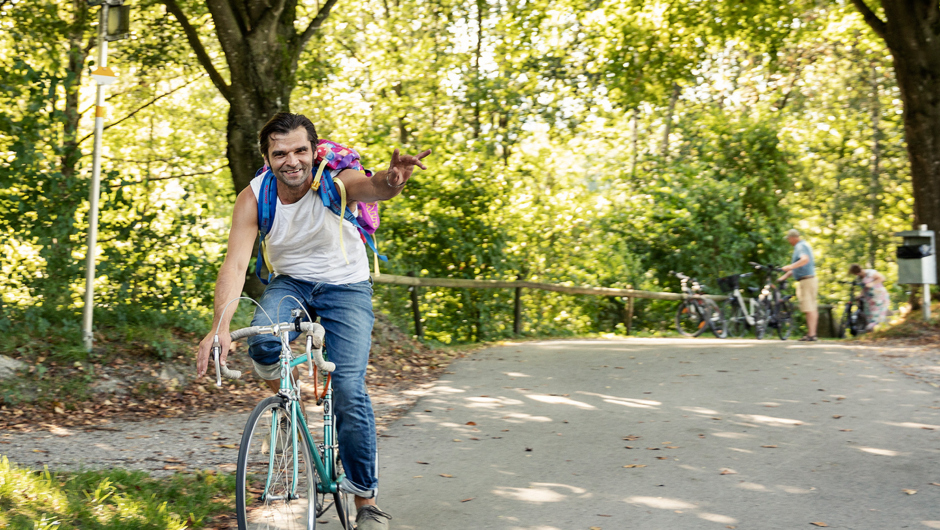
314	344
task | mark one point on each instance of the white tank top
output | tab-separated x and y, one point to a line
304	242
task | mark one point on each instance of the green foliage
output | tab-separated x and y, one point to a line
581	143
114	499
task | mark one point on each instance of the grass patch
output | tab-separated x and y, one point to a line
113	499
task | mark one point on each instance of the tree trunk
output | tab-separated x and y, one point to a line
262	48
669	114
875	184
911	30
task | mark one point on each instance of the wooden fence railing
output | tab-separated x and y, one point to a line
519	285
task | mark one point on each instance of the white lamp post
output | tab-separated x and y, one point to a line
112	25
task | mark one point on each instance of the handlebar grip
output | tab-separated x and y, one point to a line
245	332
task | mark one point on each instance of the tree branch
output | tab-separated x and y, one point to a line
314	25
877	25
122	184
270	16
193	37
142	107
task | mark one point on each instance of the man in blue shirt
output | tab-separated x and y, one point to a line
802	268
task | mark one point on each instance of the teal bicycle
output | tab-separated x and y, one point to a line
284	478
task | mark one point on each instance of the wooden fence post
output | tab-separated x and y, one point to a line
629	315
517	313
415	310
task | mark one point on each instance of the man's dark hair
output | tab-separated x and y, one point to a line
284	123
855	269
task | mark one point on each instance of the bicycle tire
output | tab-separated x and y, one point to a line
736	319
689	322
340	498
858	322
784	319
844	321
716	318
278	509
760	321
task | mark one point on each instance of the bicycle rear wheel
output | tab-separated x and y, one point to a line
760	321
784	319
689	321
737	321
716	318
267	494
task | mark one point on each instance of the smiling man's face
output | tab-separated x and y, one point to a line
291	157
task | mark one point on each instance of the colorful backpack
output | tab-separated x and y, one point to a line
331	159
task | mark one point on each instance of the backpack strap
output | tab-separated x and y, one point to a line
267	205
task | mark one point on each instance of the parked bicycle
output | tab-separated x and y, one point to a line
696	313
777	305
742	313
283	477
853	314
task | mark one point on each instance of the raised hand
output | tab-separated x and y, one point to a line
401	167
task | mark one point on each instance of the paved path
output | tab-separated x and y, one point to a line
667	434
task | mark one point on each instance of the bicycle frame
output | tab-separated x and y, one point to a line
748	305
324	466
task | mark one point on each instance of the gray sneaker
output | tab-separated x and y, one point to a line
372	518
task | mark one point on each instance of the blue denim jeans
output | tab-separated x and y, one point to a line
345	312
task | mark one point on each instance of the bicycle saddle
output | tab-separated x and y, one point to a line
753	289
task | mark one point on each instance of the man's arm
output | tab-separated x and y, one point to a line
804	259
231	280
385	184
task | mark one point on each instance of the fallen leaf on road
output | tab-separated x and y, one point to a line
769	446
716	418
836	416
468	499
631	437
228	446
672	447
457	440
595	528
174	468
420	462
470	423
628	447
603	515
935	483
635	465
845	430
819	524
662	458
910	492
445	475
528	449
728	472
653	448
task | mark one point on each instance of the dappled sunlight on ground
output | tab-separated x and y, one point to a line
676	437
560	400
769	420
879	452
539	492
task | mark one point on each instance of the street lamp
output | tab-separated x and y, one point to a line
113	24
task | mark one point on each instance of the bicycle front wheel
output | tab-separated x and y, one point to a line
784	319
275	485
737	321
716	318
689	321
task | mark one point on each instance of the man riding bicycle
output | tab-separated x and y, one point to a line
306	250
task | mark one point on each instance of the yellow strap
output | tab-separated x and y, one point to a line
315	185
342	212
267	259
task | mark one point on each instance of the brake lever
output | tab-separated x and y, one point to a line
309	355
216	353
